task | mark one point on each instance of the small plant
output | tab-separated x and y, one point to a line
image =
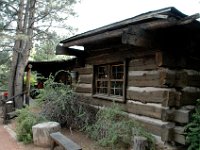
193	130
113	128
61	104
25	120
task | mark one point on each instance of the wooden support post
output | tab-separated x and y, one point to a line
28	83
140	143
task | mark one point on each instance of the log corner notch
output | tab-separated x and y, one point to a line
149	35
61	50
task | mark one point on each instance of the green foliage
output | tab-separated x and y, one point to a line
33	78
5	63
193	130
61	104
25	120
113	128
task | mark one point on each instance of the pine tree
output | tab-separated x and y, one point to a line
25	21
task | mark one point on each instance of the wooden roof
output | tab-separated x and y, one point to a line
163	28
47	67
162	18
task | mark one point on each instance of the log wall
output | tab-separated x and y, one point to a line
84	83
161	90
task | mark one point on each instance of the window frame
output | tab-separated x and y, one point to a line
108	96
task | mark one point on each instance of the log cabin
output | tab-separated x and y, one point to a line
149	64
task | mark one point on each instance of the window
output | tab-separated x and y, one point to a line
109	81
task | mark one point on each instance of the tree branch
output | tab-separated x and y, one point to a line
6	3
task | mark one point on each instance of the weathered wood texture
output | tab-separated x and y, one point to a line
159	88
113	55
143	63
181	115
138	37
170	133
85	77
148	71
179	135
83	88
154	119
189	95
163	78
174	60
165	96
85	70
140	143
61	140
166	130
157	78
156	111
151	110
42	131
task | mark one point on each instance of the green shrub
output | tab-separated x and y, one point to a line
113	128
61	104
24	122
193	130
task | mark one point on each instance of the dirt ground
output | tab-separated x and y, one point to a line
77	136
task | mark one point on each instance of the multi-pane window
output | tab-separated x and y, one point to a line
109	80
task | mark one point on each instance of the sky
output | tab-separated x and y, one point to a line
96	13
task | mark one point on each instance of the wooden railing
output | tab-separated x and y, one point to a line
5	105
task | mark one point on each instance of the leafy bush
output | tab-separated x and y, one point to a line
193	130
24	122
61	104
113	128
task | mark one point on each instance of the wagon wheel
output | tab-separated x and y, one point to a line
63	77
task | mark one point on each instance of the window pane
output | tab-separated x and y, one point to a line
109	80
102	87
117	88
102	72
117	71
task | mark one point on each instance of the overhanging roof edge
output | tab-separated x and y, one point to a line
170	11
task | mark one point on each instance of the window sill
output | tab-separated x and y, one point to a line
111	98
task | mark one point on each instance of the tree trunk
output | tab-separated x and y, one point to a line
22	49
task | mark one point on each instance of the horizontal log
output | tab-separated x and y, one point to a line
164	78
193	78
112	55
145	63
157	111
85	70
179	135
138	37
149	110
87	79
156	78
164	96
166	130
174	60
189	95
181	115
83	88
152	125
